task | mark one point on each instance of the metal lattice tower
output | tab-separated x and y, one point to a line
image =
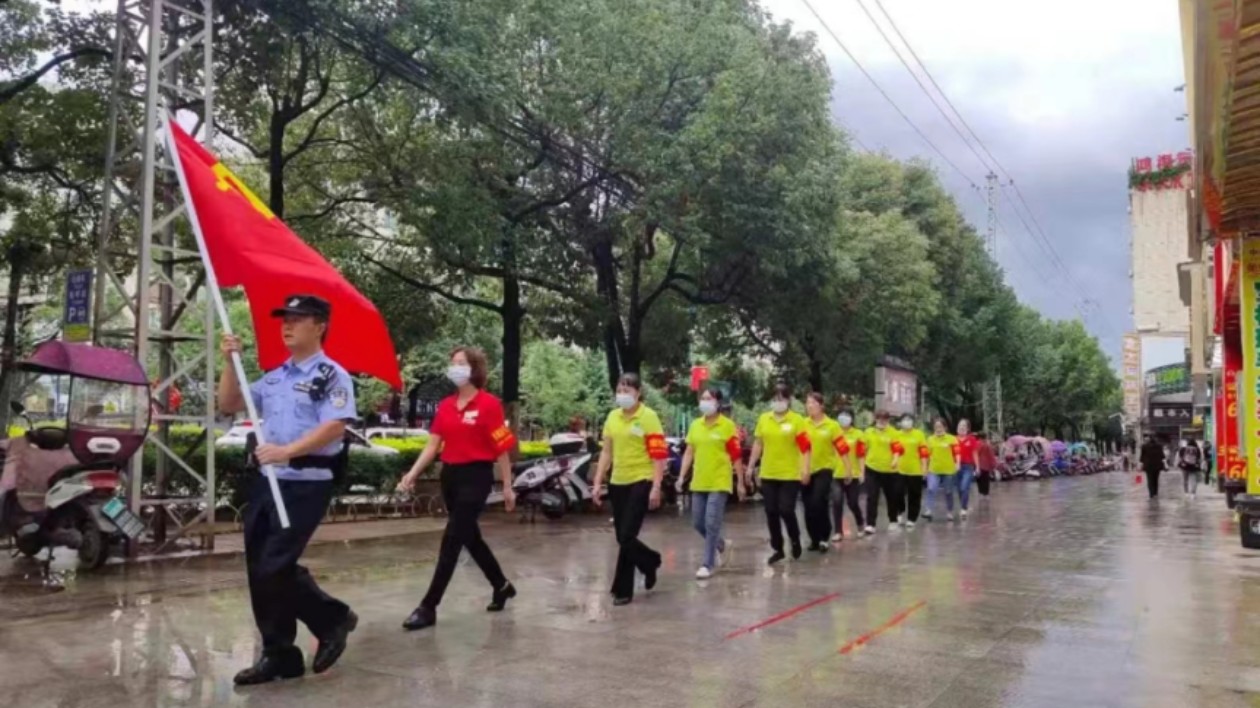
149	275
992	397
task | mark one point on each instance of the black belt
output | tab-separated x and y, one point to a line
302	462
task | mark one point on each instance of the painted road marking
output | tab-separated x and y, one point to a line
782	616
896	620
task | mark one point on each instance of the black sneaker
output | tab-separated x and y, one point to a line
420	618
796	551
286	665
775	558
621	601
500	598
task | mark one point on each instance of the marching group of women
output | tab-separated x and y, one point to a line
824	461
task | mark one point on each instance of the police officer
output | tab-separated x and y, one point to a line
304	406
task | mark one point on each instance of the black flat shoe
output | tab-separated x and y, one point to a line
420	618
775	558
272	667
649	579
500	598
331	647
796	552
619	601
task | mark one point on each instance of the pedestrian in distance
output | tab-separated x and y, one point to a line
913	468
824	435
1190	461
883	457
967	469
986	463
782	447
713	452
849	480
304	406
472	439
1153	462
634	448
943	464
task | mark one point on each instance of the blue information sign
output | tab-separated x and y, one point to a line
76	320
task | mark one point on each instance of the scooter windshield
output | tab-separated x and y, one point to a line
107	420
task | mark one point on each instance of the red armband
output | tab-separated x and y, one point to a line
842	446
861	449
656	447
897	448
503	439
733	449
924	452
802	442
956	449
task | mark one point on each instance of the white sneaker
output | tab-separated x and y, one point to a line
902	520
909	524
962	514
927	516
950	517
837	538
724	555
869	530
704	573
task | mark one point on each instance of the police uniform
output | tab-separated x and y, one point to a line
292	401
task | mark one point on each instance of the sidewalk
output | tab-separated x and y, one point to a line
328	532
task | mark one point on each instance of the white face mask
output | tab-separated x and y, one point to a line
844	420
907	424
626	401
708	407
459	374
779	406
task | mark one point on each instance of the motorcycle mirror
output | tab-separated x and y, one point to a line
17	407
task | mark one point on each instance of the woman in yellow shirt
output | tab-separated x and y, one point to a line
883	455
913	468
847	486
781	436
713	447
943	464
634	447
823	435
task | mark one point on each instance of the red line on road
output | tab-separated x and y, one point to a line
782	616
896	620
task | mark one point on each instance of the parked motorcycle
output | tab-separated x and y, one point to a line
60	482
556	484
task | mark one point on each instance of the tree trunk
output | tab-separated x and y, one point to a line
17	265
815	374
606	286
513	321
275	165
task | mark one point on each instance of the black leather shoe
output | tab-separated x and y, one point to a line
288	665
421	618
331	647
619	601
501	596
796	551
649	579
775	558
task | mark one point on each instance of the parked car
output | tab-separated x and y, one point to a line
396	433
236	435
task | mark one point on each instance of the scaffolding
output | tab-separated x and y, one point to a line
149	294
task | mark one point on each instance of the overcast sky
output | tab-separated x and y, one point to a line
1062	93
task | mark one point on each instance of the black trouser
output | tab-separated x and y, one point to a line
983	479
847	491
1152	482
913	486
630	507
894	495
817	511
281	591
464	491
780	499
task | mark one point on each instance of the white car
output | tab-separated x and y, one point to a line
237	433
396	433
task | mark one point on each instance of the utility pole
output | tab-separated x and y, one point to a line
992	399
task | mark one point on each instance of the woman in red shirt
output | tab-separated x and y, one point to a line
986	462
473	439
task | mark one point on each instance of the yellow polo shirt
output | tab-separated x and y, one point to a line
822	440
943	448
914	442
781	441
713	445
853	438
879	448
637	441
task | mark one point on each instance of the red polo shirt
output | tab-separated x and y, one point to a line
476	433
967	449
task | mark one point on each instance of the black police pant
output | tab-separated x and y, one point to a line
282	591
847	491
912	484
464	491
894	495
817	506
780	497
630	507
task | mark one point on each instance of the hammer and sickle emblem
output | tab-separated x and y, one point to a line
228	181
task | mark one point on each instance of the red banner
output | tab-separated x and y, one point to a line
1229	461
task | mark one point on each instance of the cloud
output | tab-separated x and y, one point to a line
1063	94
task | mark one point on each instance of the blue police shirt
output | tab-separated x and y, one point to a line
284	402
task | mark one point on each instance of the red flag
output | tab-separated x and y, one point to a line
250	247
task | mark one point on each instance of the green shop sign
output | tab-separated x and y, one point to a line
1173	378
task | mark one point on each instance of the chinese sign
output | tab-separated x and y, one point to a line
1132	373
1228	459
1174	378
76	318
1163	172
895	390
1249	389
1170	414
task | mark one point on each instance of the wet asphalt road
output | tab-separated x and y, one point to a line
1068	592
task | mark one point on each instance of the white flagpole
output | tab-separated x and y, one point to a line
212	285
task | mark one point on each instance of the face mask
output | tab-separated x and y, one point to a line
625	401
845	420
907	424
779	406
459	375
708	407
